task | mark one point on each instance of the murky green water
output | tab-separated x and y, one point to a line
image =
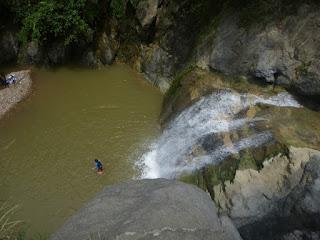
48	143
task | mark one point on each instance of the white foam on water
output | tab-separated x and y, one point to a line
167	156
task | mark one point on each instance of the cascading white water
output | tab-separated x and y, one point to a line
212	114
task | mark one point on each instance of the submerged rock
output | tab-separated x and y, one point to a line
149	209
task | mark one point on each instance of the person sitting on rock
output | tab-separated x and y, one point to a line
99	166
7	81
11	79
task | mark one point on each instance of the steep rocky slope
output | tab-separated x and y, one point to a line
283	52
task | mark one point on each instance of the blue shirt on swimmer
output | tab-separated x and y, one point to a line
98	164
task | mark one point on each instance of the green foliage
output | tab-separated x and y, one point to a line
119	7
51	19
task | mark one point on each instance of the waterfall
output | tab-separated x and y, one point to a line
213	114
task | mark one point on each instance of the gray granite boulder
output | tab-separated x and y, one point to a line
148	209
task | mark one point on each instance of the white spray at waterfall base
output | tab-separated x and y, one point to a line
212	114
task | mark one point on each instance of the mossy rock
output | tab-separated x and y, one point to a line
251	158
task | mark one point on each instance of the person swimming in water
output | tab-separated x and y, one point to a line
99	166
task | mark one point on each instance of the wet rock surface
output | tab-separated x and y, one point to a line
149	209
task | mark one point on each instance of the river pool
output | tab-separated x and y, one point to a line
49	141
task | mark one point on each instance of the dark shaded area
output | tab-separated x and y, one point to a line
275	227
257	11
311	101
191	17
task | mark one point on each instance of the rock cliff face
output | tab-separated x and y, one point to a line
283	52
149	209
161	38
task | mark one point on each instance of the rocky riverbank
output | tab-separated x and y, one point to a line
13	94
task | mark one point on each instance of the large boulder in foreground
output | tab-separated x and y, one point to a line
149	209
